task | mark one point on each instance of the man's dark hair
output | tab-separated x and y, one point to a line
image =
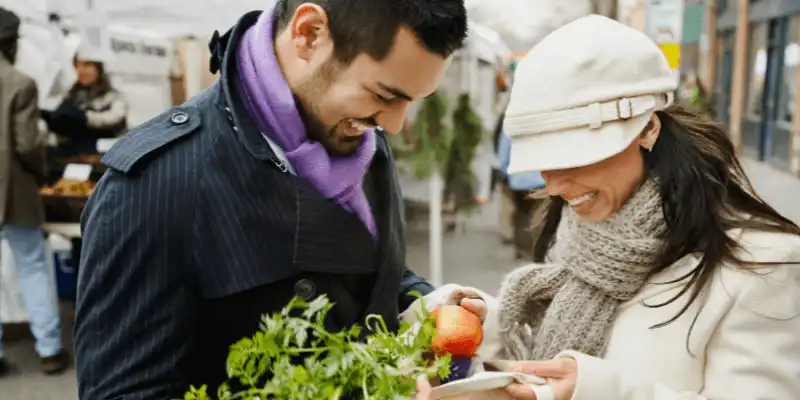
370	26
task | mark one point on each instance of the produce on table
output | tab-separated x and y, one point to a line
336	365
67	187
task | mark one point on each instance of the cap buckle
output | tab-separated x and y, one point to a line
624	109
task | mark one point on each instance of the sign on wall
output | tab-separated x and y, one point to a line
665	27
139	52
140	68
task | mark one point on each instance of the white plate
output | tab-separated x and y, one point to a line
483	381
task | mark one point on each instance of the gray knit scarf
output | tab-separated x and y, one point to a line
571	302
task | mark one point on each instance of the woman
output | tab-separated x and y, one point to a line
660	274
91	110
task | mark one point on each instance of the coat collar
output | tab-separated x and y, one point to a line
223	60
4	63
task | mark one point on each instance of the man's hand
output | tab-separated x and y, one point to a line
469	298
424	392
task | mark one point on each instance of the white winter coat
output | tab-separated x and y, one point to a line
745	343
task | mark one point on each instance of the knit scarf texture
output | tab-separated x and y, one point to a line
271	104
570	302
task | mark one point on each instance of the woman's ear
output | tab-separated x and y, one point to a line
649	137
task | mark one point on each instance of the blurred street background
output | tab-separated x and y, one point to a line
736	59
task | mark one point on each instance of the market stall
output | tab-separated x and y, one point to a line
141	64
471	103
159	57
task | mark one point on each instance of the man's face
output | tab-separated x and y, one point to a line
340	102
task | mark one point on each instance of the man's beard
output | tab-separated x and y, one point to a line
316	87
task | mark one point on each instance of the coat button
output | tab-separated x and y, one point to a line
179	118
305	289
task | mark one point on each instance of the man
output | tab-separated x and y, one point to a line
21	162
269	185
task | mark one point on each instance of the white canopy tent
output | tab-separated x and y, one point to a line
523	23
170	18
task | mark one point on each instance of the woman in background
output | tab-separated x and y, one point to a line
91	110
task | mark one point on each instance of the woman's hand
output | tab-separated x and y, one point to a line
423	388
424	391
561	375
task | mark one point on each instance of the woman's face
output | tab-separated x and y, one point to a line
88	73
597	191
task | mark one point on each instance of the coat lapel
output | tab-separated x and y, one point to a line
330	239
391	253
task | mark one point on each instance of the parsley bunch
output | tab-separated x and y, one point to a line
335	365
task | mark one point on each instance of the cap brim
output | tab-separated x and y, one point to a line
574	147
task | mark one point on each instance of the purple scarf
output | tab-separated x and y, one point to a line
270	103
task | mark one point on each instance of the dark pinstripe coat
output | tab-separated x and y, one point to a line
197	229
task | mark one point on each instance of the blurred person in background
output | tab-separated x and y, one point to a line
517	190
500	180
21	166
692	94
659	274
92	109
275	182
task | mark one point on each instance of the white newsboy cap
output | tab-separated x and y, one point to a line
583	94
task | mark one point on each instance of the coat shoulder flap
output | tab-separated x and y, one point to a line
144	141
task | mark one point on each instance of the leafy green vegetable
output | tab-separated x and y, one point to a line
460	182
429	138
431	144
334	365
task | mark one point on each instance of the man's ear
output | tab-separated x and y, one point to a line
309	29
649	136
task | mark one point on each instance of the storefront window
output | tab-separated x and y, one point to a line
757	66
791	59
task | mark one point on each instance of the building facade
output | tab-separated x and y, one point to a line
752	70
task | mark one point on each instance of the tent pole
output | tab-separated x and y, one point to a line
435	230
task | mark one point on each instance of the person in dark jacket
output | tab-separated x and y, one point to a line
21	162
92	109
273	183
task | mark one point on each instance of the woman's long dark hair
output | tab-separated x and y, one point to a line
705	193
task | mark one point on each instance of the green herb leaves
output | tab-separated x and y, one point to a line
293	357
